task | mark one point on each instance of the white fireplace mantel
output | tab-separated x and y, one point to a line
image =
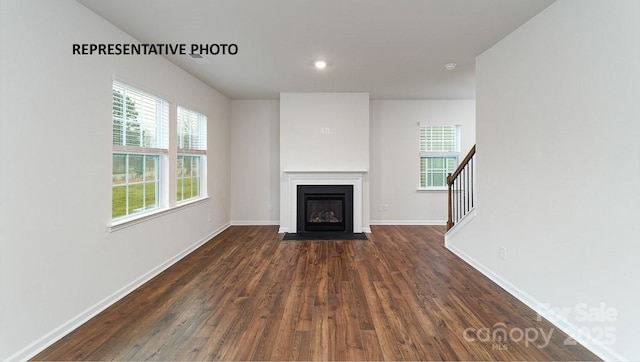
288	212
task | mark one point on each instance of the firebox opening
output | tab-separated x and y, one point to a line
324	212
325	208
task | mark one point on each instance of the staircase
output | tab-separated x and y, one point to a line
461	189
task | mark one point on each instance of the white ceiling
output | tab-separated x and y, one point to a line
391	49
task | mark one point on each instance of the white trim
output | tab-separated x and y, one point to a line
283	230
141	87
431	189
603	352
138	218
138	150
296	178
440	154
437	123
56	334
461	224
188	152
254	223
409	222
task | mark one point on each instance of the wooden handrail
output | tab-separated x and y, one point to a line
463	188
462	165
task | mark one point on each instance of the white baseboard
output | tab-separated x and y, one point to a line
408	222
573	331
50	338
255	223
461	224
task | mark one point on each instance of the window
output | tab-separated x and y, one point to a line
140	141
439	148
192	150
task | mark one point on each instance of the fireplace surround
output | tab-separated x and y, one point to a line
289	193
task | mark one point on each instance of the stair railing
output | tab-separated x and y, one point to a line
461	188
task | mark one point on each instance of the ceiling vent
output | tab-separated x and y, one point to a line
199	59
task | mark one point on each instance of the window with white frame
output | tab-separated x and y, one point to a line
140	142
439	151
192	151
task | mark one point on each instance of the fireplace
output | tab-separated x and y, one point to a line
325	208
290	222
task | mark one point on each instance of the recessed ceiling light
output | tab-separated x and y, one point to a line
450	66
320	64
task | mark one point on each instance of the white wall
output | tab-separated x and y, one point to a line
255	162
304	148
305	144
58	262
395	159
558	170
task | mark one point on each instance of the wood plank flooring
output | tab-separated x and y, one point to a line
248	295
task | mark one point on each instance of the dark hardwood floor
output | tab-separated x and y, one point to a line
248	295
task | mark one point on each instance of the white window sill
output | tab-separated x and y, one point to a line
431	189
137	219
